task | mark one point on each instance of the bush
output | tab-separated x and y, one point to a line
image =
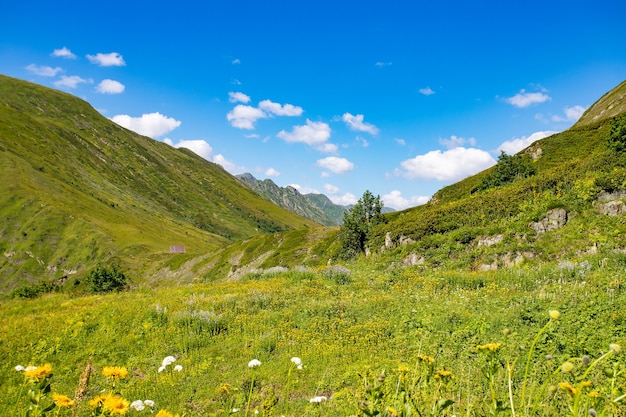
103	279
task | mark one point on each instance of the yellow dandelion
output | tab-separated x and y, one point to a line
566	386
425	358
443	374
62	401
164	413
392	411
37	373
115	372
99	400
594	394
585	384
116	405
489	346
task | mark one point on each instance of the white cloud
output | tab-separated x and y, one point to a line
199	147
271	172
395	200
244	117
151	124
457	142
235	61
400	141
513	146
71	81
362	141
331	189
280	110
452	165
524	99
344	200
112	59
236	97
356	123
110	87
572	114
44	70
314	134
228	165
335	164
381	64
304	190
253	136
63	53
427	91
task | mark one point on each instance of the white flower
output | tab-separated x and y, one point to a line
296	361
30	368
299	367
168	360
235	410
318	399
149	403
161	368
178	368
137	405
19	368
254	363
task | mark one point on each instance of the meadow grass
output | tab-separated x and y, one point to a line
396	342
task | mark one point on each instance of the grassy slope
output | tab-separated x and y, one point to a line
82	190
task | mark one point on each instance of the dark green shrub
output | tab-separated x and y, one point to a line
104	279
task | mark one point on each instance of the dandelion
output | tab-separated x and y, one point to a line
116	405
567	367
554	314
62	401
318	399
137	405
115	372
254	363
443	374
566	386
178	368
99	400
163	413
37	373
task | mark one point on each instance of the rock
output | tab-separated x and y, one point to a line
490	240
617	195
413	259
612	208
555	219
388	241
405	240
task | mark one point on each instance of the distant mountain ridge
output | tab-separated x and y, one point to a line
316	207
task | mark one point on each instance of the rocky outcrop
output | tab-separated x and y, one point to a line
554	220
612	208
489	240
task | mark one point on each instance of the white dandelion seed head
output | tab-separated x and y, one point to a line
254	363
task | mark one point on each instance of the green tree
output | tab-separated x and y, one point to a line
508	169
358	223
106	280
617	137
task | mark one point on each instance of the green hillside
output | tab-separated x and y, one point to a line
79	190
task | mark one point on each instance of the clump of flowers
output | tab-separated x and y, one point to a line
489	346
62	401
168	360
115	372
139	405
110	405
38	379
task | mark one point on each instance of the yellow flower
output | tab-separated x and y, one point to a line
62	401
443	374
489	346
566	386
585	384
99	400
37	373
392	411
403	368
554	314
594	394
116	405
164	413
425	358
115	372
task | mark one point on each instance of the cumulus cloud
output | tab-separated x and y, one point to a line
525	99
348	199
396	201
71	81
63	53
314	134
44	70
451	165
199	147
280	110
457	142
362	141
331	189
355	122
112	59
150	124
304	190
244	117
335	164
572	114
513	146
427	91
228	165
238	97
271	172
110	87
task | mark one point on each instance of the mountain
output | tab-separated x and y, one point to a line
316	207
560	199
78	190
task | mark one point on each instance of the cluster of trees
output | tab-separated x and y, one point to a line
617	137
358	222
508	169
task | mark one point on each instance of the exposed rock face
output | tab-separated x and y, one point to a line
555	219
617	195
612	208
490	240
413	259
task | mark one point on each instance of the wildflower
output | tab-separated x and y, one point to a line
99	400
149	403
567	367
19	368
164	413
254	363
37	373
161	368
443	374
585	384
116	405
318	399
392	411
594	394
615	348
115	372
235	410
62	401
178	368
489	346
425	358
554	314
566	386
552	389
224	389
297	361
137	405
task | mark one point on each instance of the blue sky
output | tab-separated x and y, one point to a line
398	97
